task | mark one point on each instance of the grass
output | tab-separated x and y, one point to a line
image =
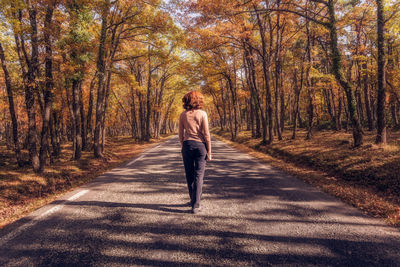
367	177
22	191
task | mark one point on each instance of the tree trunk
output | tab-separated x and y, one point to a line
101	67
55	130
89	119
393	99
277	74
393	107
367	98
48	93
337	70
265	66
83	119
77	119
250	117
30	89
282	109
148	103
381	99
134	127
360	110
230	118
105	105
297	92
310	107
232	89
255	96
166	115
11	107
334	110
223	101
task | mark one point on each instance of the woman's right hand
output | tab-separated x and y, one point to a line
209	157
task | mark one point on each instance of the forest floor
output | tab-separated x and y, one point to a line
22	191
367	177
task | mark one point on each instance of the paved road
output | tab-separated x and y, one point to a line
254	215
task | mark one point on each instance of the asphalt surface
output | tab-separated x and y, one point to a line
253	215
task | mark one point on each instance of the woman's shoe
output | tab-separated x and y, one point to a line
196	210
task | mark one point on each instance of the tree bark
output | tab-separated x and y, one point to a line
148	96
83	120
232	89
101	67
11	107
296	103
367	98
55	130
337	69
381	99
77	120
255	96
48	93
166	115
89	119
105	105
297	90
277	74
265	66
30	89
389	77
134	126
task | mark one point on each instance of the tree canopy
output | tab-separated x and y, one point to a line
78	71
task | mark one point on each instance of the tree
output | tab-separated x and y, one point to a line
11	106
380	109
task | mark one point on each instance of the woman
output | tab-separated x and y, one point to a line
194	136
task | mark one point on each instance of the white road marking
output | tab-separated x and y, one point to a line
133	161
50	211
17	231
157	146
78	195
36	219
143	154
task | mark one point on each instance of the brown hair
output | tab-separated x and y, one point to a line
193	100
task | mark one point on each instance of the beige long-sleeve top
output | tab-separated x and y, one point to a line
193	125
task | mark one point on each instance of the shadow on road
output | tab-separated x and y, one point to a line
254	216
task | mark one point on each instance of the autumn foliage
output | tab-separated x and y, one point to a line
78	71
313	64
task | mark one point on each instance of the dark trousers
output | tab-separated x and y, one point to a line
194	158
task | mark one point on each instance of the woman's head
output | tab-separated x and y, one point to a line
193	100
